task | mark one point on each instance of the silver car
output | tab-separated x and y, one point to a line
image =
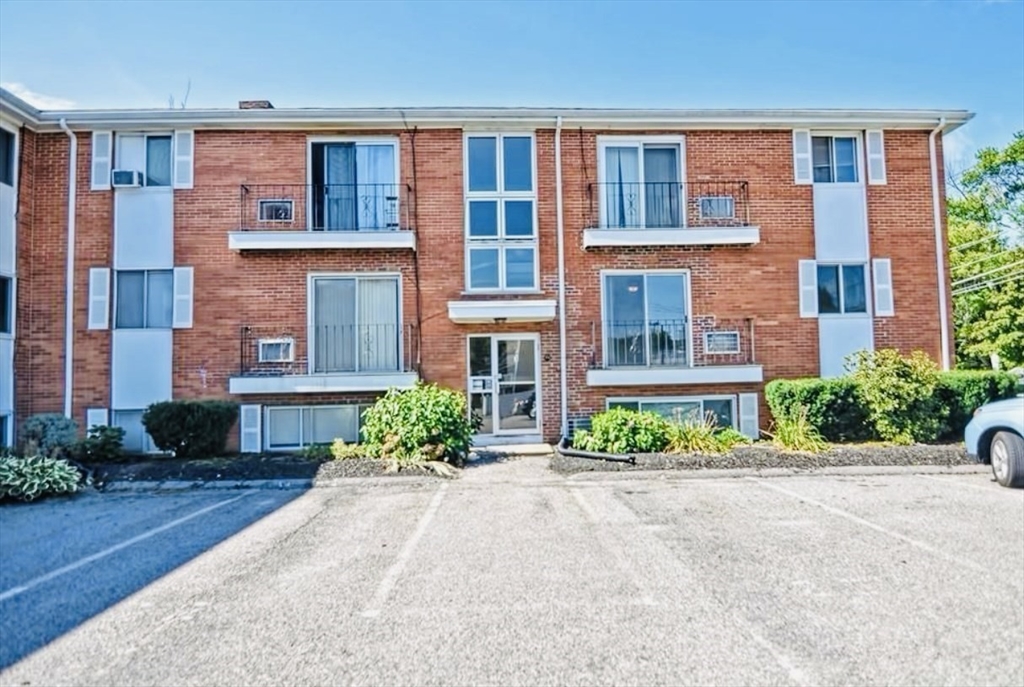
996	436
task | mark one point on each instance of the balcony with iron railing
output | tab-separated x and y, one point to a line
283	216
326	358
669	213
700	350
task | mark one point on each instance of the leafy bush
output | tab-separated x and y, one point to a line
103	444
342	451
27	479
51	434
424	424
621	430
795	432
694	436
191	429
960	392
316	451
899	394
728	438
832	406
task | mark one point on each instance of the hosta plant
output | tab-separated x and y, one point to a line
26	479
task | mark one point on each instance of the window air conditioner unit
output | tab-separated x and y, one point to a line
126	178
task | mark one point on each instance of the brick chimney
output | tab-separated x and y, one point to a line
255	105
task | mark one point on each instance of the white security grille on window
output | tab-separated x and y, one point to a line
842	289
501	227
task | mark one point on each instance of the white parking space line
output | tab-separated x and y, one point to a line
21	589
612	547
394	572
867	523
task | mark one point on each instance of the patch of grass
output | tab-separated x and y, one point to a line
694	436
795	432
339	450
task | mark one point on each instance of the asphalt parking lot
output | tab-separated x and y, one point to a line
512	575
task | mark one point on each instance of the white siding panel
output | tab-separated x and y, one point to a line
840	223
840	336
141	367
6	375
144	229
6	229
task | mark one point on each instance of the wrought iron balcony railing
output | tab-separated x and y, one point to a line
688	342
334	349
669	205
323	207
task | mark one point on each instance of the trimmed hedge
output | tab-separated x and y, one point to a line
834	408
191	429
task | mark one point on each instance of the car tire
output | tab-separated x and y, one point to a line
1007	457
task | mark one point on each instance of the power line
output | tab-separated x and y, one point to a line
954	249
991	271
1003	279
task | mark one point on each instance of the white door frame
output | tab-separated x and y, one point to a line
496	383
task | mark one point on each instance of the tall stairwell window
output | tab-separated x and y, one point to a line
641	183
354	185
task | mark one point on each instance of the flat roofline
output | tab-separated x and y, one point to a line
482	117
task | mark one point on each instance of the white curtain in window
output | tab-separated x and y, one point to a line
622	187
160	299
661	187
379	329
377	195
282	427
334	325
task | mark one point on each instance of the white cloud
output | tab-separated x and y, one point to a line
43	102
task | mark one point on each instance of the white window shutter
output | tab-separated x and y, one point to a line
881	271
876	157
184	152
102	156
748	416
95	417
802	173
182	312
251	425
99	298
808	288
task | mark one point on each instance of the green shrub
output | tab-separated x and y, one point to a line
342	451
899	394
832	406
795	432
621	430
51	434
694	436
728	438
961	391
423	424
191	429
27	479
103	444
316	452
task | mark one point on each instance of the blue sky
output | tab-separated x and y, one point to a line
908	53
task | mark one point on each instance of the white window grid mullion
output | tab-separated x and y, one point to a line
357	319
842	295
647	326
145	299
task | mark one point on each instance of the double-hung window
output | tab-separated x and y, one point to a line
641	183
684	409
144	299
501	213
152	154
355	324
646	319
834	159
842	289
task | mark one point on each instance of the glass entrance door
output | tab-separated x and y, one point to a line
503	383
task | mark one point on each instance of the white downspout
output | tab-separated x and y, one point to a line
563	375
69	304
940	260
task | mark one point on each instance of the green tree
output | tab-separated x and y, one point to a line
986	238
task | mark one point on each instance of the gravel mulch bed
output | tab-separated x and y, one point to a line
765	456
269	467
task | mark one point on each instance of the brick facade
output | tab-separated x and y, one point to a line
752	288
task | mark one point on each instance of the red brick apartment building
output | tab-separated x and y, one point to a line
550	262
